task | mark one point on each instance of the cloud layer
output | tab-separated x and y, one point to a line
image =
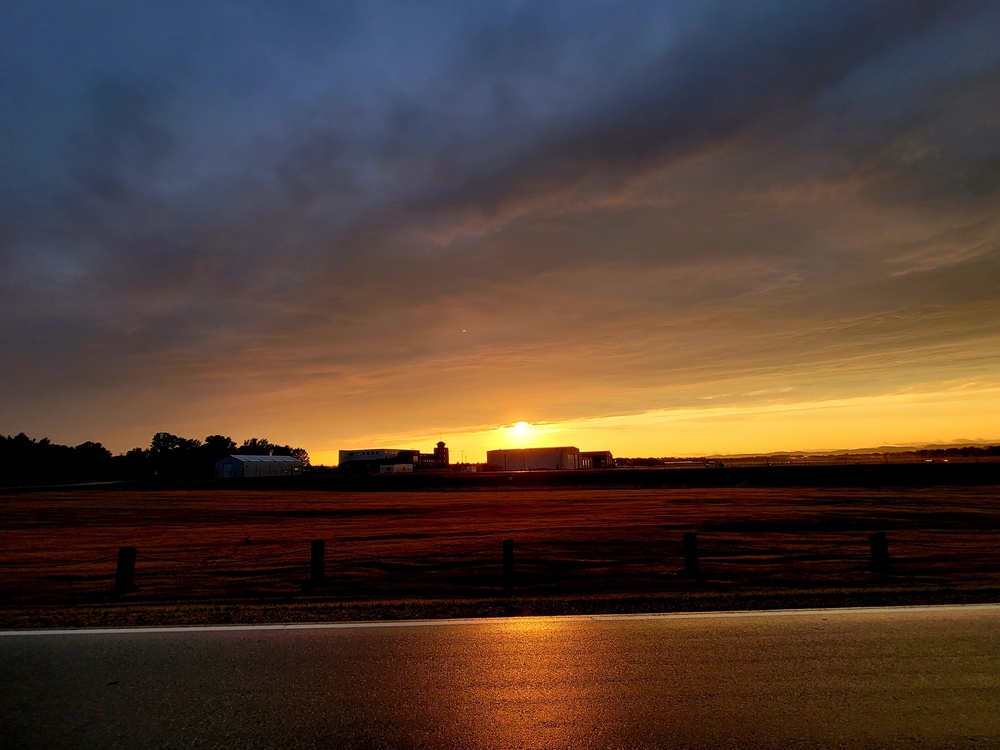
332	222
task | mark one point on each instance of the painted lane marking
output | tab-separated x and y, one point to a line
658	616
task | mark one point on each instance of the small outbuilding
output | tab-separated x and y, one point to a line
597	460
257	466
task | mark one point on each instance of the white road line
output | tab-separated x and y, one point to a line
832	612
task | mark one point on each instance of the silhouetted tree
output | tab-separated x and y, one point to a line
132	465
90	460
174	457
220	444
217	447
163	443
264	447
27	461
257	447
91	451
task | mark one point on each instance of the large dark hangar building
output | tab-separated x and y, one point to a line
539	459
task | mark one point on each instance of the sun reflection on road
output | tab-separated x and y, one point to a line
532	689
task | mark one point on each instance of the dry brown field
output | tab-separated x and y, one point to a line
393	554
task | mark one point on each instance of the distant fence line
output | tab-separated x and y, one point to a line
704	558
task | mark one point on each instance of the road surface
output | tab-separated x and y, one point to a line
900	678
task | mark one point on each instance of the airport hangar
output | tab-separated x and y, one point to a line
538	459
257	466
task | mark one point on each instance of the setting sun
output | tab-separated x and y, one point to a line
520	434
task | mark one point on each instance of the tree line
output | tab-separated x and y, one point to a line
24	460
961	452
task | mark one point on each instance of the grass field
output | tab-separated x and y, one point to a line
430	553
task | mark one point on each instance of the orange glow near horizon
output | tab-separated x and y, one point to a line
964	414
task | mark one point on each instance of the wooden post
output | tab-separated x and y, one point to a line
879	544
316	567
508	563
125	572
691	554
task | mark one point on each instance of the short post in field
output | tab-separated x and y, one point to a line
879	544
508	563
125	572
691	554
316	566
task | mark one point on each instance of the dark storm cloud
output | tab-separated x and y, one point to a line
727	74
123	143
733	71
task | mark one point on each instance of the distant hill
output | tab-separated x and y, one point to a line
971	445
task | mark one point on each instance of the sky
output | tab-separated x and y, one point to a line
658	228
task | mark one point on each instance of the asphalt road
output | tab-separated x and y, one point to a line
899	678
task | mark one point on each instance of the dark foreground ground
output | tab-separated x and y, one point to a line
849	679
243	554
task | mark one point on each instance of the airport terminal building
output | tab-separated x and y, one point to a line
392	460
